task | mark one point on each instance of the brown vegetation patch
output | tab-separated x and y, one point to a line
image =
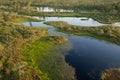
56	39
111	74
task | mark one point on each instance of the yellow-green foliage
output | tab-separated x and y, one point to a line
13	17
55	39
12	38
26	18
46	56
38	60
111	33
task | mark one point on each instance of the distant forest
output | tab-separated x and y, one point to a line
100	5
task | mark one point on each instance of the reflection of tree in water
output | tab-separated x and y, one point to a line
30	23
44	18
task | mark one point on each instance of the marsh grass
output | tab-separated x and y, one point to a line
21	18
47	57
108	33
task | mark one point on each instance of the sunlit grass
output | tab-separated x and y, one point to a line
108	33
47	57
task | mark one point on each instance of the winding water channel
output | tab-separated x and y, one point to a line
89	56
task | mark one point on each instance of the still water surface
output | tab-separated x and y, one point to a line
74	20
78	21
89	56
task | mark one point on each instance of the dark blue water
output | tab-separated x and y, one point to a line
89	56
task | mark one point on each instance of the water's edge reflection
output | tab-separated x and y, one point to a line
89	56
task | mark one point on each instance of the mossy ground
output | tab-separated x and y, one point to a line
24	56
45	56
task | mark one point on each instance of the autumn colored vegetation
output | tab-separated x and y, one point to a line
110	33
27	53
111	74
12	37
45	56
112	6
101	10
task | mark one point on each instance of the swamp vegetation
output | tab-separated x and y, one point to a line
101	10
110	32
29	53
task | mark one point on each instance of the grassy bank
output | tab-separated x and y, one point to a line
45	55
107	18
108	33
103	17
26	55
13	17
12	38
21	18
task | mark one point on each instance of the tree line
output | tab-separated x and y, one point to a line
78	5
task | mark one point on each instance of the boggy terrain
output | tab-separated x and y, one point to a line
102	11
110	33
28	53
